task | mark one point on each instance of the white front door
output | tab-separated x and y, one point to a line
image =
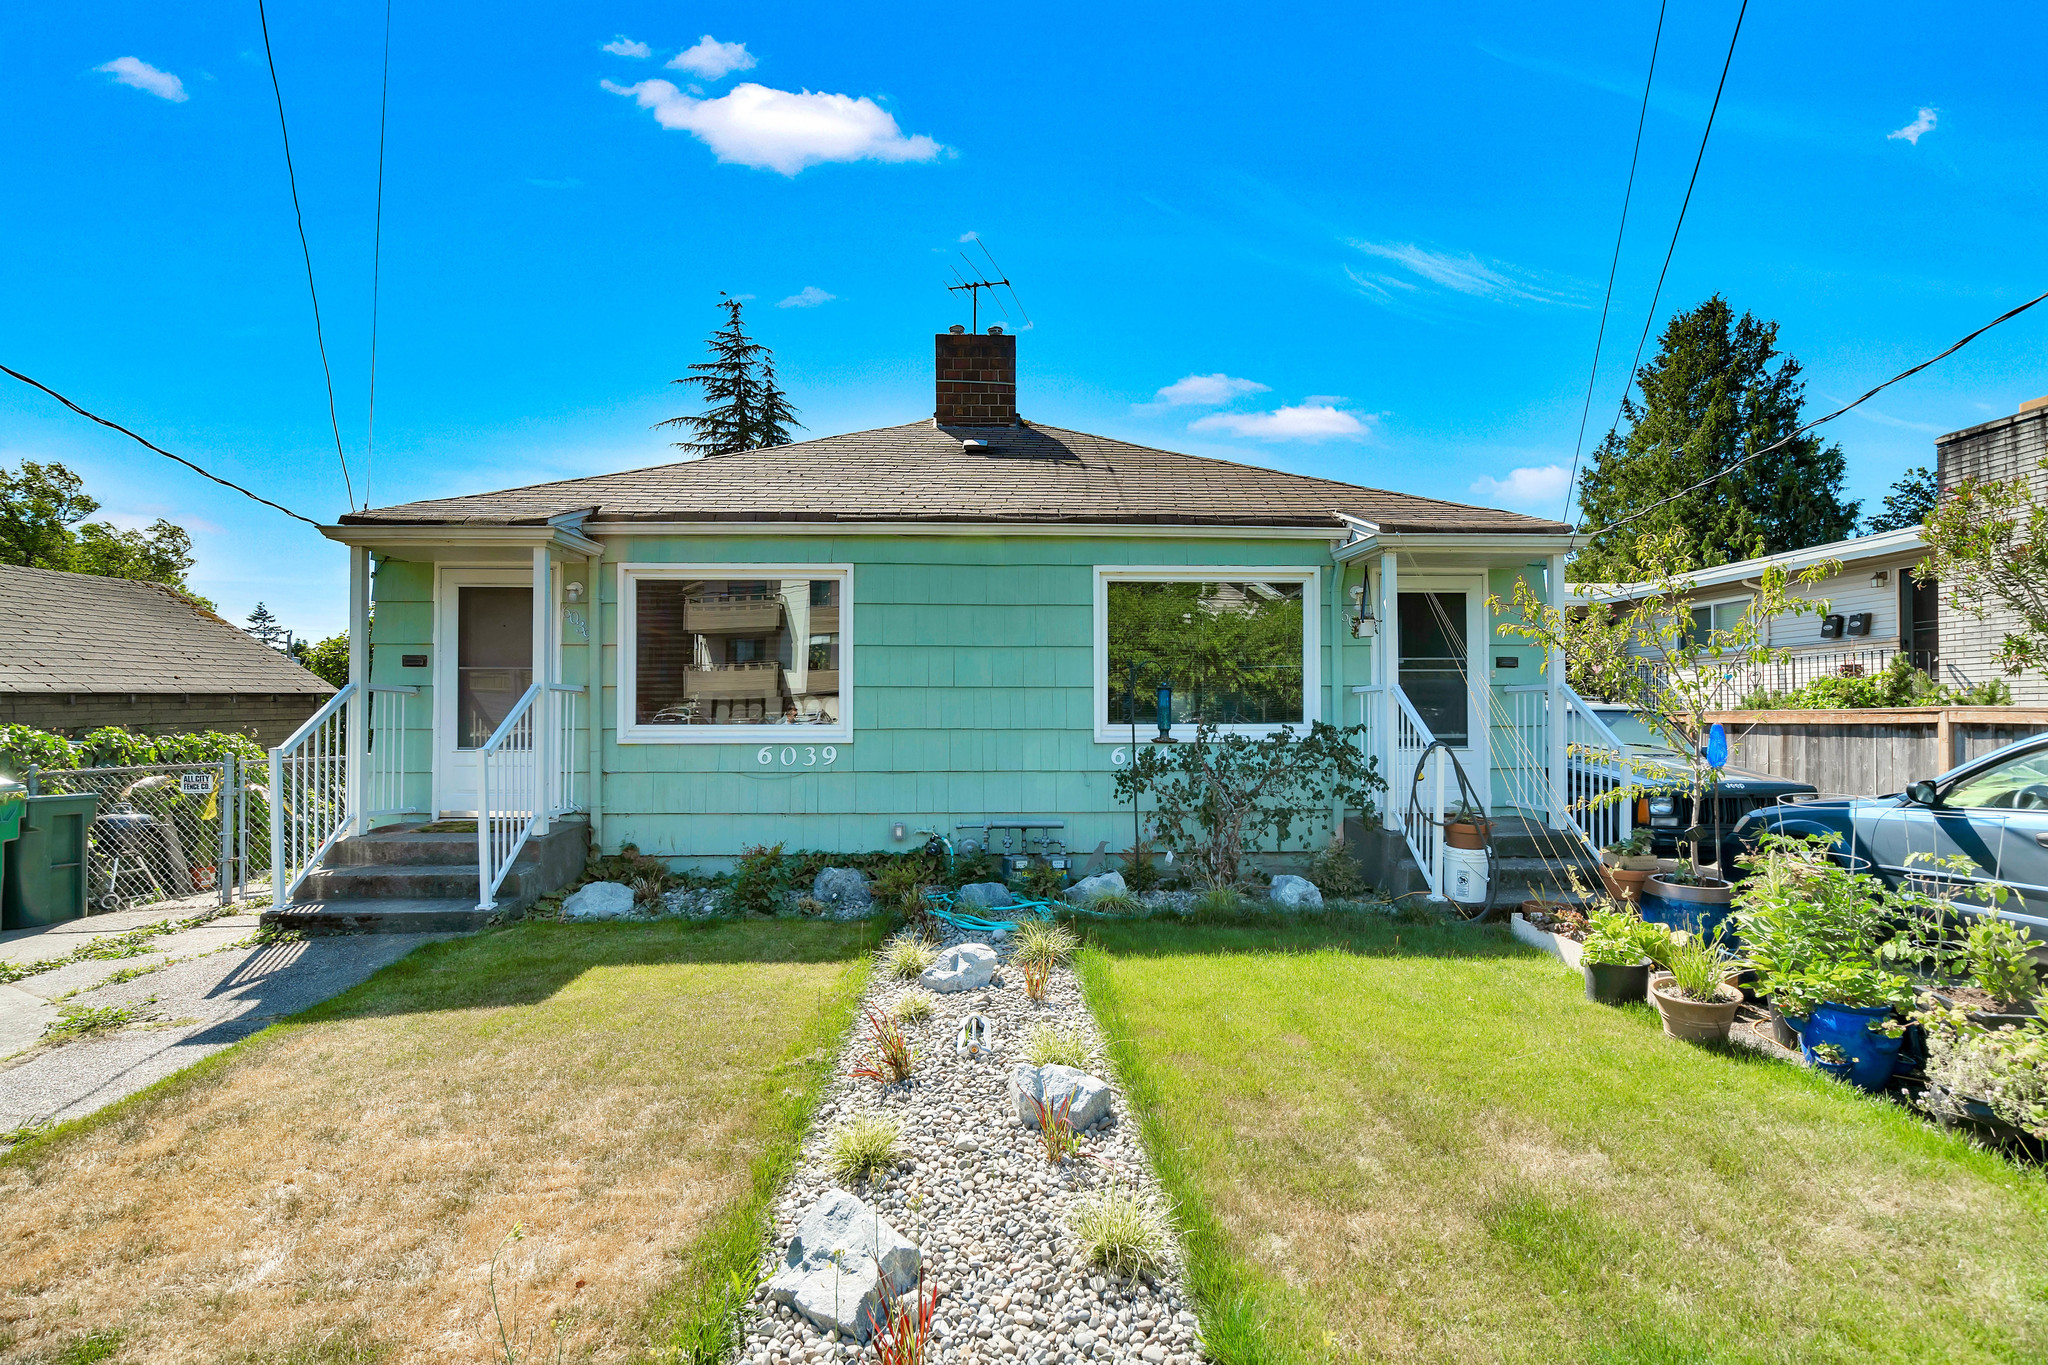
1442	634
483	632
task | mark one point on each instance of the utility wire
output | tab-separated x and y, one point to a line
1642	116
1650	318
292	177
1787	440
377	261
95	417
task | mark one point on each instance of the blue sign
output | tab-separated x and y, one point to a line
1717	747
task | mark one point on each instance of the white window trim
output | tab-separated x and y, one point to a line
631	732
1107	732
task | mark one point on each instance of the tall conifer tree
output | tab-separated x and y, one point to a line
745	410
1717	390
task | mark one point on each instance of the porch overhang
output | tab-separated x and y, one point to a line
1448	549
474	545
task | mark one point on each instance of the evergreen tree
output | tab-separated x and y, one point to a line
1711	396
1909	502
744	408
264	625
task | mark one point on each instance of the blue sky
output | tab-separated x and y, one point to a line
1359	242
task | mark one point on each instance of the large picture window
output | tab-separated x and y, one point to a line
1235	647
724	652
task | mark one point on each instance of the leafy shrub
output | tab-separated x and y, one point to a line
1611	939
906	956
1043	942
23	747
1042	881
1337	874
629	866
1225	793
1058	1047
899	887
1119	1235
2000	962
913	1006
1899	684
1141	874
2005	1068
977	866
760	883
862	1148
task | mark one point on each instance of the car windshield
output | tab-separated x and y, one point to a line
2017	784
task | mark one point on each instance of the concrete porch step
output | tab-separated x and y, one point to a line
384	915
404	845
392	881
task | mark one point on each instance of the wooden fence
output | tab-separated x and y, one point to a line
1874	751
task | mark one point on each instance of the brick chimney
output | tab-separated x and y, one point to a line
977	379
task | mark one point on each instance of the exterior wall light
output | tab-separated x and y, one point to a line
1364	625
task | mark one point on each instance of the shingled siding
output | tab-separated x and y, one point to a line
267	719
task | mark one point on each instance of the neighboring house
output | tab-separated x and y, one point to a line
839	643
2009	447
1876	610
78	651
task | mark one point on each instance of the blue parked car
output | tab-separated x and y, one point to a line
1993	810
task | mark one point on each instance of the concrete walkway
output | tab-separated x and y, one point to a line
211	987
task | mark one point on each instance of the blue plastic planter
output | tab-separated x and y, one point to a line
1853	1028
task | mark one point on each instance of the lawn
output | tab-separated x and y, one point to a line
1430	1147
335	1188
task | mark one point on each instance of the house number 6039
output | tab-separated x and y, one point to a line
797	756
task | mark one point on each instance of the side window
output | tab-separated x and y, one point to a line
2017	784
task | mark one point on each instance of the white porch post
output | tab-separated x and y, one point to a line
544	706
1555	734
1386	657
359	678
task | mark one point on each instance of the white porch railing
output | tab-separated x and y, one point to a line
571	752
308	794
384	768
1416	802
509	792
1596	762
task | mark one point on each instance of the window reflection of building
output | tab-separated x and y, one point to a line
726	652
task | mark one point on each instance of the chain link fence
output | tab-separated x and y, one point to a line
171	832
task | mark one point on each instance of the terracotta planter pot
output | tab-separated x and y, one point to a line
1467	834
1636	862
1623	883
1694	1021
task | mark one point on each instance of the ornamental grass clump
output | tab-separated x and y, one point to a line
906	956
1058	1047
1056	1130
1699	967
914	1006
862	1148
888	1058
1044	942
904	1332
1036	975
1120	1235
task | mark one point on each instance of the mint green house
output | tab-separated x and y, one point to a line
839	643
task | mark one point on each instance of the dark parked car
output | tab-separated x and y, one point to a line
1669	813
1992	810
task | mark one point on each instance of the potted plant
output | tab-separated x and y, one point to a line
1831	1058
1692	993
1799	908
1992	1079
1612	957
1689	898
1853	1005
1466	827
1626	863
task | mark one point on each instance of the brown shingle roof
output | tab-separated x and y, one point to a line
919	472
75	632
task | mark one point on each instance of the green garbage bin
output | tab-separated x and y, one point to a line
44	882
12	798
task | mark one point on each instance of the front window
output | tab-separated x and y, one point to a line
711	652
2016	784
1234	651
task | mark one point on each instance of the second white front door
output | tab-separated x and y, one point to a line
484	664
1442	632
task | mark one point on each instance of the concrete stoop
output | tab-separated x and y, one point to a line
1531	862
406	880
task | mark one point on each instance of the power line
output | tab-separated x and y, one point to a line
95	417
377	261
292	177
1787	440
1642	116
1650	319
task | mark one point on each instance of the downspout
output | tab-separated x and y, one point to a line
593	661
1337	711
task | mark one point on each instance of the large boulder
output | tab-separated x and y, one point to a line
840	1260
844	891
983	896
1088	889
1295	893
964	967
599	900
1087	1099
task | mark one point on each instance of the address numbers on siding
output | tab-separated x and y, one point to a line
797	756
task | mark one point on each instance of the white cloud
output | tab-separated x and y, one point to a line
1538	488
1461	273
622	46
135	72
1205	390
712	59
1308	422
811	297
1911	132
779	130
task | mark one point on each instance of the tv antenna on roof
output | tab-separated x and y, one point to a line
975	281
